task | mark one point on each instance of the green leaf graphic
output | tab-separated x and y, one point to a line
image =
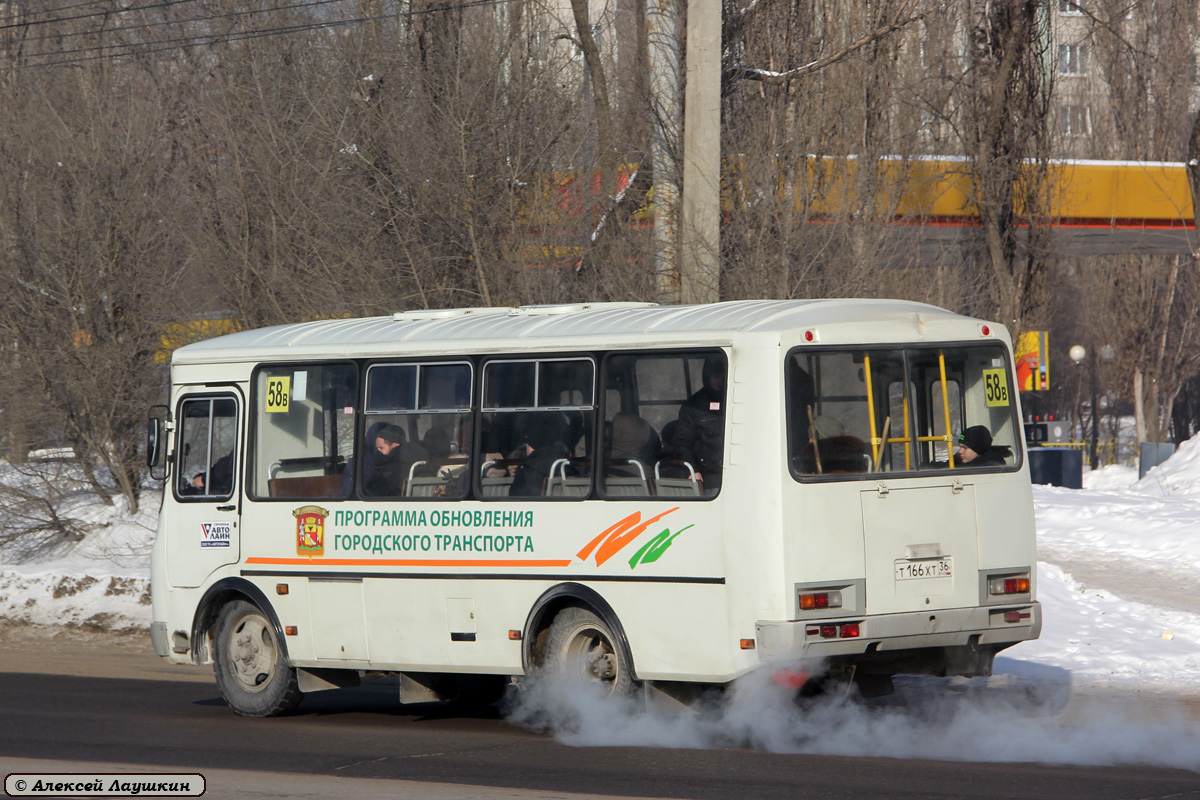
654	548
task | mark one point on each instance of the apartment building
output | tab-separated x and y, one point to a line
1124	77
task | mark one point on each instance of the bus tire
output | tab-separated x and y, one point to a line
580	640
252	671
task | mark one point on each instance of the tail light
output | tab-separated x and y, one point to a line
1015	585
845	630
810	601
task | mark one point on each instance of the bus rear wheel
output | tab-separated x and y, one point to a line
252	672
579	640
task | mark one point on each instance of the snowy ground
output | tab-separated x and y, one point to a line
1118	578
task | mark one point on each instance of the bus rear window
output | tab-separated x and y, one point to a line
865	411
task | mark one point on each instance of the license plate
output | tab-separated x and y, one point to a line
928	568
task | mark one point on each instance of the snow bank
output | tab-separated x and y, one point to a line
1178	475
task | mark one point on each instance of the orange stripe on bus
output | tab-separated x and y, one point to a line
405	562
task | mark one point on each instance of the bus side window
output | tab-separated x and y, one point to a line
206	448
304	430
537	424
422	411
663	412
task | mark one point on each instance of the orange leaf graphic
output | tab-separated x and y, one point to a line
622	533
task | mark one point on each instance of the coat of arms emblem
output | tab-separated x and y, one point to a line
310	530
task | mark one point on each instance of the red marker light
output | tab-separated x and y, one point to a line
808	336
986	330
789	679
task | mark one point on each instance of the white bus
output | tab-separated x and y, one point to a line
671	496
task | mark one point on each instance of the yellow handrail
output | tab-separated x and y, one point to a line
946	408
875	440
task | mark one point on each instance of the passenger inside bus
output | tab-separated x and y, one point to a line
699	437
975	448
387	456
631	439
542	447
220	478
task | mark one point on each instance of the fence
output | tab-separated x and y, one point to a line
1109	451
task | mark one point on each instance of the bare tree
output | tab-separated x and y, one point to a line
1131	98
90	267
1006	106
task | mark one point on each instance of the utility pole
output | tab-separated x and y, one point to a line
700	223
662	36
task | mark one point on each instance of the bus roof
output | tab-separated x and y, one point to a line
582	325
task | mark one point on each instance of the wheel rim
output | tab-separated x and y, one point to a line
597	658
253	653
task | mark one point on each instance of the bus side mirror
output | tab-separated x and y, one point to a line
156	442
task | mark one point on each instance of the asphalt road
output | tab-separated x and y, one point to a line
156	718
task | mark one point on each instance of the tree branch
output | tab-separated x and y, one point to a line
776	78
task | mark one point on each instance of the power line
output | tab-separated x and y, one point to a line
69	8
163	4
59	9
208	40
161	23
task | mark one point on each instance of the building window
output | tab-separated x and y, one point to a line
541	46
1071	7
1075	121
1072	59
931	125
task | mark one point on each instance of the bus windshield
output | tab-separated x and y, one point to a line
854	412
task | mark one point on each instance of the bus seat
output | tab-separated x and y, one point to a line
306	486
426	487
676	487
626	487
563	485
423	485
493	487
627	480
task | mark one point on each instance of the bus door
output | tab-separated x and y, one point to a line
203	526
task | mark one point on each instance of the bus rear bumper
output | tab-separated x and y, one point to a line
883	637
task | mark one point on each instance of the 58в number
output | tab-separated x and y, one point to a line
995	387
278	390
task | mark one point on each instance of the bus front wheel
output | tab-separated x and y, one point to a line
579	641
252	672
